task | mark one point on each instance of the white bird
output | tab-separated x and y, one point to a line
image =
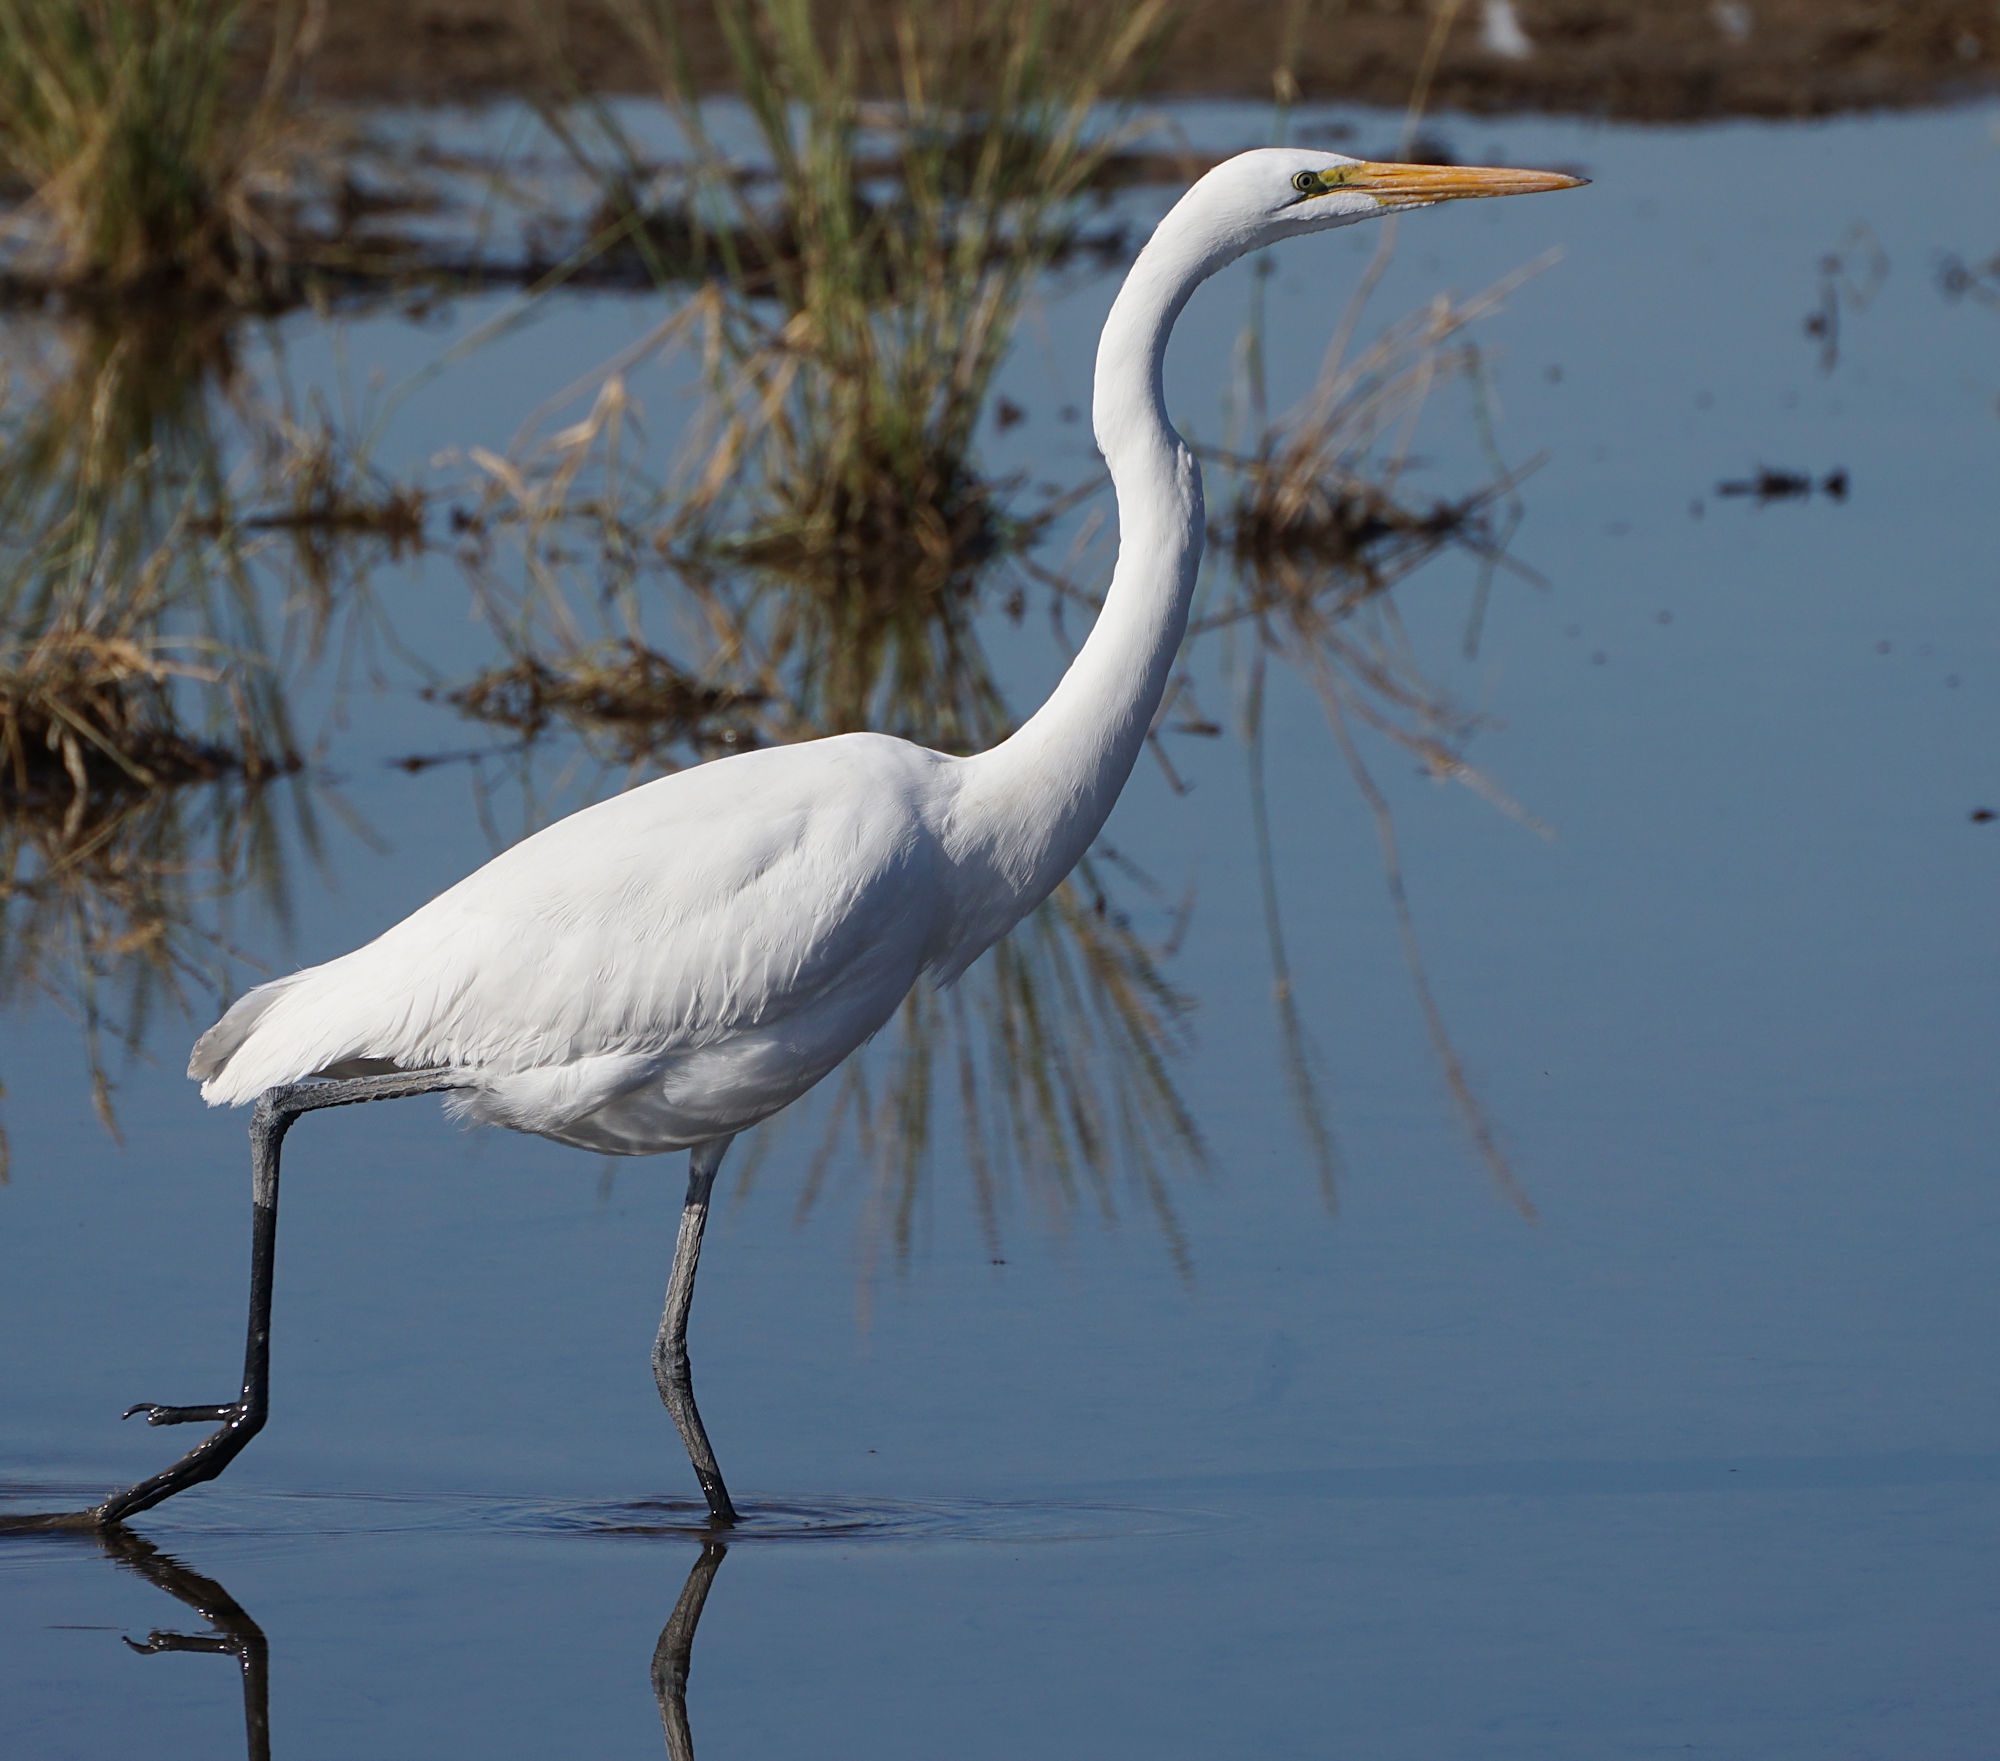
1500	31
666	968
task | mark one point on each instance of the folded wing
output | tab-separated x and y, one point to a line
792	889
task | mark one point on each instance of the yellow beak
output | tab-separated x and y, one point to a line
1417	186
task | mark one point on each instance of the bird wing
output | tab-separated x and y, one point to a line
729	897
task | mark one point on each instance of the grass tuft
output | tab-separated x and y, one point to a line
911	173
640	698
88	713
148	169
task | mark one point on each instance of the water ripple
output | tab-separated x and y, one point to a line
292	1517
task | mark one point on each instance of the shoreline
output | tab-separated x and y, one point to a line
1629	60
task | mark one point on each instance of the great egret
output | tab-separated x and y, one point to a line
666	968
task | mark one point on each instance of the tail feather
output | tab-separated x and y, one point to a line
225	1039
260	1042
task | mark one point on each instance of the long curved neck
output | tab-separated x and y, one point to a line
1032	805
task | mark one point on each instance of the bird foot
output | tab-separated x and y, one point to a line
156	1641
185	1415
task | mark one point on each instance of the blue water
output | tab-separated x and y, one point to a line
1704	1457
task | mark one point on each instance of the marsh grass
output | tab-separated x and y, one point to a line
310	517
626	700
1320	530
577	557
913	172
148	169
1319	501
125	836
87	714
118	910
321	483
134	443
144	734
1322	527
115	519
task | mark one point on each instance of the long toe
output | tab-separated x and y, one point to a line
184	1415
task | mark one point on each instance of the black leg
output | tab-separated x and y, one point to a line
671	1370
674	1653
242	1418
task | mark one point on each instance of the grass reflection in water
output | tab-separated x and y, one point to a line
151	782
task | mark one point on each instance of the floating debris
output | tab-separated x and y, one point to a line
1771	484
1959	280
1849	279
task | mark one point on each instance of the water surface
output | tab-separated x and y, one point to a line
1705	1457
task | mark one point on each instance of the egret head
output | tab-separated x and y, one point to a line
1274	193
1243	204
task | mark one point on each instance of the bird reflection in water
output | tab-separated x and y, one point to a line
673	1654
232	1632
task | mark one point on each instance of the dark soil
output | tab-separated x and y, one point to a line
1661	60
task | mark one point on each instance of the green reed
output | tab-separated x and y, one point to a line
147	166
915	170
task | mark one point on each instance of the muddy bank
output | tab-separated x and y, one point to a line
1658	60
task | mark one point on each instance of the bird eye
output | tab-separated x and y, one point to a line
1306	182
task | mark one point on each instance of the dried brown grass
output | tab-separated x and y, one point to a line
149	170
